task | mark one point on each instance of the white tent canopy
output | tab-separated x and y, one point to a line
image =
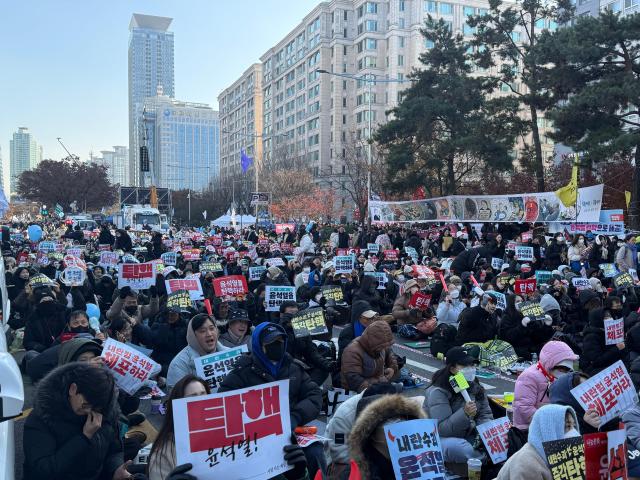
233	220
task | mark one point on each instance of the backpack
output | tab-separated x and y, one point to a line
443	338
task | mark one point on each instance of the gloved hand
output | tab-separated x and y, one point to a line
548	320
124	292
526	321
294	456
153	291
179	473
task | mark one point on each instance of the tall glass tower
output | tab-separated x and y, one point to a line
150	67
24	155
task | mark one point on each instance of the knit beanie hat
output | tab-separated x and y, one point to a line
548	303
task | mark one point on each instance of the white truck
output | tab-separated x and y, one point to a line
139	217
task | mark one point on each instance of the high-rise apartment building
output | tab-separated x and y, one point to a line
183	139
241	122
150	66
117	163
25	154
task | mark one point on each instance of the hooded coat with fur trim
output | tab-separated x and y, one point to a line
55	447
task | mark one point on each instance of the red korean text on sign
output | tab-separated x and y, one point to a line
183	284
231	285
420	300
525	287
137	270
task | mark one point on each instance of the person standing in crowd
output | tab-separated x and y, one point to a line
626	255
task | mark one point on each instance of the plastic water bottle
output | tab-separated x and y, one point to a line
534	359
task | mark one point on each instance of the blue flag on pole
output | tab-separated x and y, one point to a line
245	161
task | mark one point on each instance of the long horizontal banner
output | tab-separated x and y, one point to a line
526	207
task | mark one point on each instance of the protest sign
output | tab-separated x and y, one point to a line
309	322
180	299
420	300
226	435
414	448
344	263
131	368
581	283
108	259
47	246
533	310
191	285
524	287
613	331
373	247
230	286
543	276
331	292
412	253
617	456
277	295
609	270
422	271
71	261
190	254
304	440
275	262
282	227
42	259
75	251
210	267
609	392
623	280
595	455
501	299
40	280
565	458
526	236
496	263
391	255
73	276
138	276
524	253
169	258
494	436
255	273
337	396
381	278
213	368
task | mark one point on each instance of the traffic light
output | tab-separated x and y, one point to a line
144	159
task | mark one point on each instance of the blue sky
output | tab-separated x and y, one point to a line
63	63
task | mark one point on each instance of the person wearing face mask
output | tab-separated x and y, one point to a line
532	386
457	418
368	292
555	252
596	354
577	254
551	422
450	307
45	323
479	324
406	315
202	339
126	306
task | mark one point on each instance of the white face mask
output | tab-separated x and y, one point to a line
572	433
469	373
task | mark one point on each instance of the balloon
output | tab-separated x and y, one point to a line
35	233
93	311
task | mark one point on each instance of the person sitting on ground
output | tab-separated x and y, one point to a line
126	306
479	324
168	337
457	418
238	329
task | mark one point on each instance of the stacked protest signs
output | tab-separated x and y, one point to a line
494	436
191	285
138	276
226	435
230	287
213	368
309	322
276	295
566	458
131	368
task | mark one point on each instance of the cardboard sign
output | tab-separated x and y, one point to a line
373	248
609	270
613	331
617	456
332	292
543	276
255	273
609	392
381	278
213	368
210	267
581	283
73	276
533	310
131	368
344	263
566	458
414	447
227	435
230	286
309	322
108	259
496	263
277	295
494	436
282	227
623	280
525	287
138	276
595	455
191	285
179	299
420	300
391	255
501	299
169	258
524	254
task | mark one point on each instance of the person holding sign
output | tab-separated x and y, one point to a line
202	339
551	422
458	408
168	336
604	346
126	306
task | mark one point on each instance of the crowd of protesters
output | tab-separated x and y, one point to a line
461	272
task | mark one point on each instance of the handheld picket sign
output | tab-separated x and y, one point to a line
460	385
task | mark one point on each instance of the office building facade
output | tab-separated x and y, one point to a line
117	163
25	154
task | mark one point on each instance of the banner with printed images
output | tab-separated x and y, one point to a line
566	458
309	322
527	207
213	368
415	450
494	436
138	276
179	299
226	435
131	368
277	295
609	392
191	285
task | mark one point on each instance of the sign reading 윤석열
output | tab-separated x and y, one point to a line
213	368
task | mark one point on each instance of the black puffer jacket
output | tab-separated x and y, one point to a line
167	339
477	326
55	447
525	340
43	326
305	397
596	355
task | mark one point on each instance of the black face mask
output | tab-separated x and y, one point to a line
274	351
616	312
79	330
285	319
132	310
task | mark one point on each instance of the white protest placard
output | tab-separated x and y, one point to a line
609	392
73	276
381	278
337	396
191	285
108	259
130	367
581	283
227	435
412	252
169	258
138	276
373	248
213	368
75	251
275	262
446	264
344	263
524	253
496	263
494	436
415	450
277	295
255	273
613	331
